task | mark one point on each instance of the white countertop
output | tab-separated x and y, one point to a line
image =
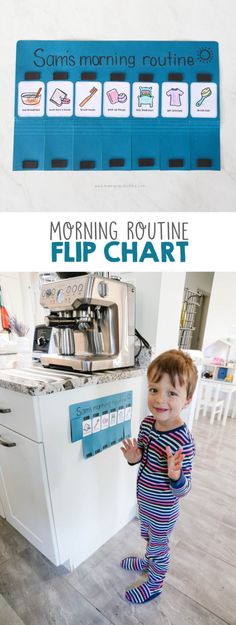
229	385
36	380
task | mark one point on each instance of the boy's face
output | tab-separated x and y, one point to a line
166	401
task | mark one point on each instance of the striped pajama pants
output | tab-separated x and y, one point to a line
157	521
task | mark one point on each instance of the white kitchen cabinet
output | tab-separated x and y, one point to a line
25	492
24	489
65	505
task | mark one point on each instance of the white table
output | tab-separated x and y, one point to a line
221	387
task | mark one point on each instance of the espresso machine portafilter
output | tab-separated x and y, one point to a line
94	322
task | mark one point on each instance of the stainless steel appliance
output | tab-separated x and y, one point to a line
93	318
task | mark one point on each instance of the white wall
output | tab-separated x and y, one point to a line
170	304
148	287
158	306
21	298
221	319
12	294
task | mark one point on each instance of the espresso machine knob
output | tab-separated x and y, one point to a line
48	292
42	340
102	289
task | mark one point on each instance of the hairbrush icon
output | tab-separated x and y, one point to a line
205	93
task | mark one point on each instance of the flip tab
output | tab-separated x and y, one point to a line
176	162
145	77
30	164
87	164
119	76
146	162
59	163
88	76
60	75
32	76
204	162
204	77
176	77
116	162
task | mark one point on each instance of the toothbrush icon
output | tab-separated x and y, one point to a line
205	93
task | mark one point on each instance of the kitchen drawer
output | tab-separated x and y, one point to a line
20	413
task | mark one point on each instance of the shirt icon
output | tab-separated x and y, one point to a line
175	96
174	101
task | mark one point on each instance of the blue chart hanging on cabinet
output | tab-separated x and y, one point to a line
101	422
117	105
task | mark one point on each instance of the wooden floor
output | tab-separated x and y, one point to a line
201	585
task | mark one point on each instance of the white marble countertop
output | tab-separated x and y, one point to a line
119	191
36	380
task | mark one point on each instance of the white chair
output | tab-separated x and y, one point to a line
228	392
208	400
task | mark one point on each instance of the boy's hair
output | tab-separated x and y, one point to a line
175	362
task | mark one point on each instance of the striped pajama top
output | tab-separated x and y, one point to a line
154	487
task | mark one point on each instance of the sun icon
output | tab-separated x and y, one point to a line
205	55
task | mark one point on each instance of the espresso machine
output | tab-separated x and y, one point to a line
93	318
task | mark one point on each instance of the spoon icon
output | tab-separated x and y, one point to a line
205	93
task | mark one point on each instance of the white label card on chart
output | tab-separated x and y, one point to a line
113	417
96	424
87	427
121	415
128	413
60	98
203	99
105	421
145	99
88	99
31	96
116	99
174	99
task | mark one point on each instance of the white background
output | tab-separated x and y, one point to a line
211	243
122	191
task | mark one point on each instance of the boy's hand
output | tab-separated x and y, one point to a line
174	462
131	451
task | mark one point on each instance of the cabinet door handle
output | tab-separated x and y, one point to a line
6	443
4	410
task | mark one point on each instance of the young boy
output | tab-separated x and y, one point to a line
165	449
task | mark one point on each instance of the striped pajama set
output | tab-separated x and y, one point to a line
158	502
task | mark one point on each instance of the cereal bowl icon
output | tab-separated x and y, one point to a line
31	99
